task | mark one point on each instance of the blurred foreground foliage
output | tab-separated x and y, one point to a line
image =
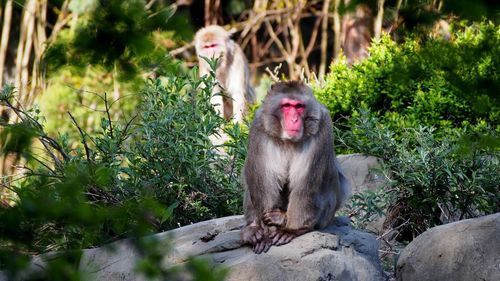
131	178
113	46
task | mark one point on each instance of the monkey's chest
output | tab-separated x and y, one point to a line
286	164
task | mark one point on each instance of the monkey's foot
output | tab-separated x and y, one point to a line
274	217
281	237
262	246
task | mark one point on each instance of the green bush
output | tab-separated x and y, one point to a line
430	110
130	178
173	156
422	82
431	181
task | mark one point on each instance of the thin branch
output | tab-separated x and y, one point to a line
389	231
42	163
275	38
324	39
62	19
312	41
49	151
54	144
108	114
82	134
127	126
181	50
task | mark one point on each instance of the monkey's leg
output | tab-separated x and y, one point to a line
301	216
238	105
217	101
254	233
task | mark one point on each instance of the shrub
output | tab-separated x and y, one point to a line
422	82
173	156
129	179
431	181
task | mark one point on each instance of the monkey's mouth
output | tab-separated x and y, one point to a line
209	46
293	133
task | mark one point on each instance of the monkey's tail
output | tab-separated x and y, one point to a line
345	188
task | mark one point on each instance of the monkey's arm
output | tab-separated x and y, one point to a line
264	171
237	85
262	189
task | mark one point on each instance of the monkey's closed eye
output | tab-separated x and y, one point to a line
286	105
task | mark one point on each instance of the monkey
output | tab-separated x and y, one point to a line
232	73
291	175
357	34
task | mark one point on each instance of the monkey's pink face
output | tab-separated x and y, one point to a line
292	123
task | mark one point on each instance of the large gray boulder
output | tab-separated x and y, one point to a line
465	250
335	253
362	171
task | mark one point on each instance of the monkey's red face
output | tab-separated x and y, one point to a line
293	112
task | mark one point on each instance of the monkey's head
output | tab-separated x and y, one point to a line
212	41
291	112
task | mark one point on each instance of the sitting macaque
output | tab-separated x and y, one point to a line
232	72
291	176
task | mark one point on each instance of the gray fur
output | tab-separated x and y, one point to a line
299	176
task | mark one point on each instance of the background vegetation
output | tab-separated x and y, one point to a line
105	132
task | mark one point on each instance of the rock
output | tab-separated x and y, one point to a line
464	250
364	174
361	170
335	253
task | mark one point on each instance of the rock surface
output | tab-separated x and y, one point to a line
361	171
335	253
464	250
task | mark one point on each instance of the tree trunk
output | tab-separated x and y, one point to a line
212	12
336	29
4	41
324	40
379	19
27	54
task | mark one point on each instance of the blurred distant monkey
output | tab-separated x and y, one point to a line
232	72
357	33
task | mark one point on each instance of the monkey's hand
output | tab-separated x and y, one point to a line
252	234
256	236
274	217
